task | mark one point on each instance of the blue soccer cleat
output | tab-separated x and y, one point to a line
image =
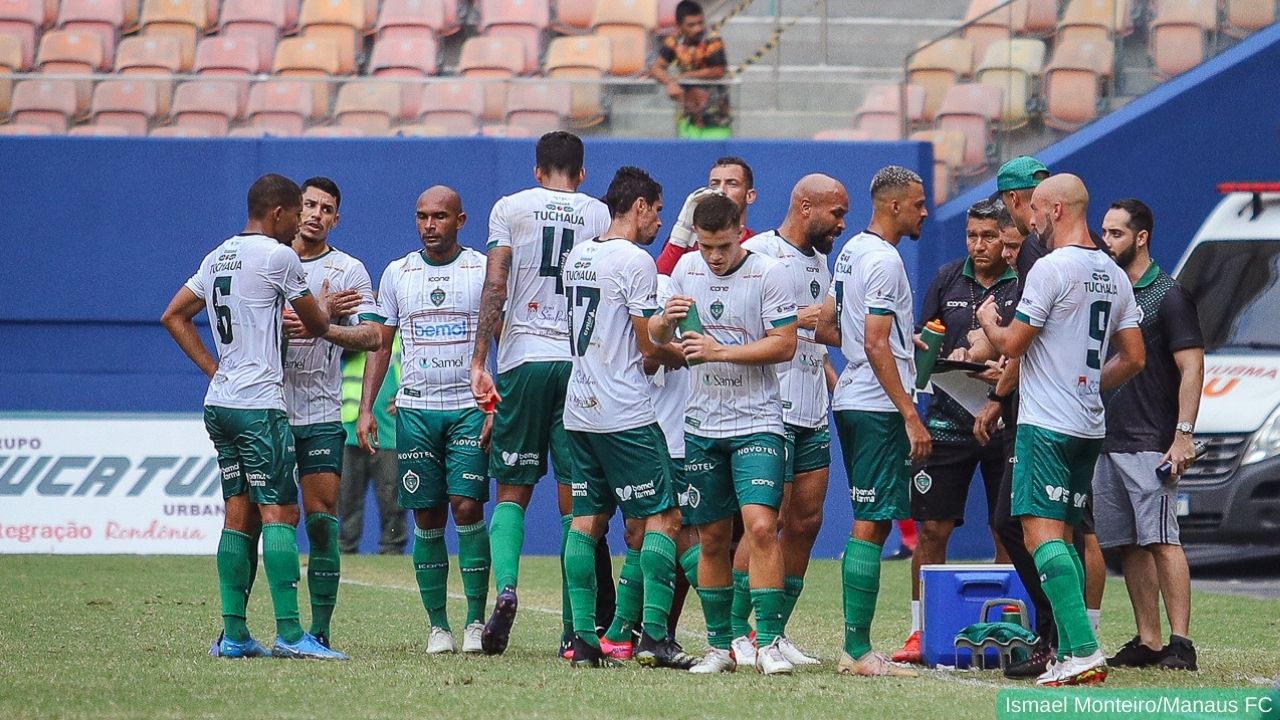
306	648
231	649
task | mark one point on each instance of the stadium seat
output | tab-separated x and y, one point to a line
130	104
10	62
583	61
1042	17
334	131
410	58
156	57
183	20
51	103
178	131
1013	66
455	105
1097	20
101	17
25	129
368	106
841	134
95	130
259	20
1072	83
23	20
989	21
132	10
628	24
972	109
667	16
512	131
281	107
310	58
1178	34
417	18
938	66
207	106
880	114
574	17
291	11
338	20
420	131
1242	17
524	19
540	106
948	156
73	53
492	60
229	57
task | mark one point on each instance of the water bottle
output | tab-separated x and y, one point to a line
932	335
691	323
1010	614
1165	471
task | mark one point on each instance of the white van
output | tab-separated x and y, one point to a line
1231	496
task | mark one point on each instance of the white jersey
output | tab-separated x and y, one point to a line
1078	298
540	226
437	310
804	380
728	400
607	283
245	283
670	394
870	279
313	366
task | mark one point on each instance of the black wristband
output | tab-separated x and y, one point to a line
995	396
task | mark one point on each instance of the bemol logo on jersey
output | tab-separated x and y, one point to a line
439	328
636	492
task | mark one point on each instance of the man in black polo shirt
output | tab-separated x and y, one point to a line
1150	420
940	488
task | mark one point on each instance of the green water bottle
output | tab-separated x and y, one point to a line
932	335
691	323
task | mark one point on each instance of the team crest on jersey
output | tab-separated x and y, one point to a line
410	481
717	309
437	297
814	289
923	482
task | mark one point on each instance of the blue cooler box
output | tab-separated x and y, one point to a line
951	598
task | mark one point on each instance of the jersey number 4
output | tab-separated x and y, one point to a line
221	290
553	257
590	296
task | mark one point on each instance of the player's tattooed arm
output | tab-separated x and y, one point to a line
827	330
492	300
178	320
363	337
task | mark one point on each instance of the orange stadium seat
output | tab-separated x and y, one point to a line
177	131
583	61
948	156
1072	83
281	107
540	106
629	25
524	19
880	114
455	105
311	58
291	11
259	20
96	130
230	57
410	58
1013	66
23	20
10	62
413	19
1178	34
209	106
492	60
971	108
368	106
51	103
25	129
334	131
255	131
73	53
130	104
938	66
1243	17
183	20
1042	17
993	21
574	17
101	17
131	9
156	57
341	21
1097	20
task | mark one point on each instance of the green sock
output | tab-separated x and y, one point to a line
233	582
792	586
1063	587
740	611
280	557
689	563
253	565
658	559
768	604
631	595
324	567
716	603
473	561
861	570
431	568
580	572
1075	561
506	534
566	605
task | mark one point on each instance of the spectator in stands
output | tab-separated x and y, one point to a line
359	467
697	55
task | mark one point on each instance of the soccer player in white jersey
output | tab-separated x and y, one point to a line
1075	304
313	386
244	284
432	298
530	234
618	449
733	422
868	314
815	218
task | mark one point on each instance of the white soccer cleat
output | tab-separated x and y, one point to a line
440	641
872	664
794	654
744	650
770	659
715	661
1087	670
471	637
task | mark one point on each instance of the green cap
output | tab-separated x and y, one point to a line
1019	173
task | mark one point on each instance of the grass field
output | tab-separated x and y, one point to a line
127	637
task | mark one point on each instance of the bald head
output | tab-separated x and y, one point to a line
439	217
442	195
816	215
1058	207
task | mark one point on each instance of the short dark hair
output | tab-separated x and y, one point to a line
628	185
326	185
1140	217
747	175
687	8
893	177
272	191
559	151
716	213
991	210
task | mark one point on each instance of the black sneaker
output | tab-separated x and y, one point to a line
663	653
1179	654
493	641
322	638
1034	666
1135	654
566	647
590	656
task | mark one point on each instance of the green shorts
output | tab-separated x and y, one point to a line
726	473
319	447
1052	474
439	453
808	449
255	454
877	460
628	469
530	421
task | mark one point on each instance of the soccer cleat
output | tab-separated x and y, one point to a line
771	661
566	647
1179	654
1034	666
321	638
616	650
471	637
493	641
1088	670
794	654
233	650
589	656
663	653
910	650
1135	654
715	661
872	664
744	650
440	641
306	648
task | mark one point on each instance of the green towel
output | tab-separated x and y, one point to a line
1002	633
